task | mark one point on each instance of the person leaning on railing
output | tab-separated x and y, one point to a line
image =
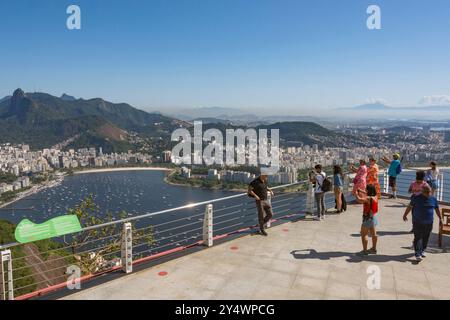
432	176
393	171
258	189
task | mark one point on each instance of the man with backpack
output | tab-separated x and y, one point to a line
321	185
395	168
258	189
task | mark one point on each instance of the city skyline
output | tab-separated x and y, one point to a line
253	56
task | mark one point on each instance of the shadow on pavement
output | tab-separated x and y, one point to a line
352	257
386	233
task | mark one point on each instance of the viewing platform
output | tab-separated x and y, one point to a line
300	259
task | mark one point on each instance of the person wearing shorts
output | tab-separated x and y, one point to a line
369	200
392	173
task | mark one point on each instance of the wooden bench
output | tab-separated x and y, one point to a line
445	228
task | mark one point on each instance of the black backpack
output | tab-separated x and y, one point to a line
326	185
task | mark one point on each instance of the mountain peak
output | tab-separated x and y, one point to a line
18	93
66	97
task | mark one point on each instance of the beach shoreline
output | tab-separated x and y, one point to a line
37	188
34	189
122	169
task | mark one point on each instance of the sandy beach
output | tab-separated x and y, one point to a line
123	169
34	189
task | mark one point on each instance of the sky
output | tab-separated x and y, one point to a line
291	56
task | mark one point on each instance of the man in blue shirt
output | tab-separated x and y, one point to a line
423	208
393	172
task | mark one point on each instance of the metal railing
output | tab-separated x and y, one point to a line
404	180
28	271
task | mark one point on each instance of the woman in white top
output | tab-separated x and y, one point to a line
432	177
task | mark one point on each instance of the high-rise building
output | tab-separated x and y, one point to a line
166	156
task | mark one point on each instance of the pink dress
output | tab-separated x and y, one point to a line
360	180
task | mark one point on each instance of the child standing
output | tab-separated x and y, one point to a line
369	200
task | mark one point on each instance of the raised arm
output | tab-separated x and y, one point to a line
386	160
360	198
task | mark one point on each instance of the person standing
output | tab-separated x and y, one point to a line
369	200
423	208
372	176
318	178
432	177
393	171
259	189
338	180
360	180
416	187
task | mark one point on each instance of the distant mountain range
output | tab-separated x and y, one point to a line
295	133
234	116
361	112
42	120
383	107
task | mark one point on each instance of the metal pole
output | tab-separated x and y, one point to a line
269	200
127	248
208	226
385	182
441	187
310	199
5	256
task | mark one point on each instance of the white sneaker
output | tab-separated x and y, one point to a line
423	255
323	217
418	257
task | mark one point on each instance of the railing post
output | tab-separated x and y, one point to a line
385	182
310	199
441	187
208	226
5	256
127	248
269	200
346	187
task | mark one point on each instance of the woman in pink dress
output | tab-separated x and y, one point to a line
360	180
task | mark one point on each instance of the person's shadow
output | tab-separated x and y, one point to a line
351	256
385	233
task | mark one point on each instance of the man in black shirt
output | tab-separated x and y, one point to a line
258	189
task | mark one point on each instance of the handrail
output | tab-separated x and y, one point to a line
188	206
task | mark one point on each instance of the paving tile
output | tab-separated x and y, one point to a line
339	290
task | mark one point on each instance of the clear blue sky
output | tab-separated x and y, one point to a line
292	55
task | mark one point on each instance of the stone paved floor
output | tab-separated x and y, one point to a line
298	260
